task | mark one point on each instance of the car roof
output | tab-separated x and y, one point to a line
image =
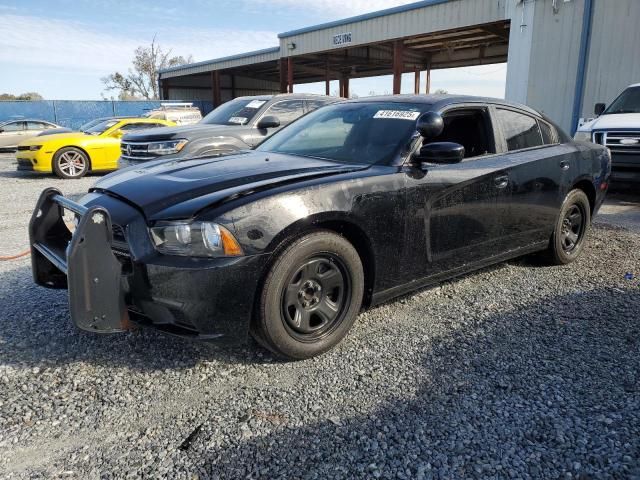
440	101
293	96
121	117
139	119
11	120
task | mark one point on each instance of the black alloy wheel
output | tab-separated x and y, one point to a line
310	297
572	229
567	241
315	297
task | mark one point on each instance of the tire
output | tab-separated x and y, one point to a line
567	241
310	297
70	163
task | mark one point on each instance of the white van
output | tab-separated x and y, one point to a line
181	113
618	128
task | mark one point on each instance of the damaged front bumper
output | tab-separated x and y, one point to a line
82	262
114	284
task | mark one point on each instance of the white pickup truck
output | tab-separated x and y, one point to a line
618	128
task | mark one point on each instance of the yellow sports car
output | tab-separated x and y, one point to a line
72	155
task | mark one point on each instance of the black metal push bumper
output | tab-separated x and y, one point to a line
82	262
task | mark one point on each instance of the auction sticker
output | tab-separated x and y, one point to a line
256	103
397	114
238	120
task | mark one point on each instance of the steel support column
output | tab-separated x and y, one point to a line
398	65
327	78
344	86
290	74
283	75
215	87
416	82
428	80
165	90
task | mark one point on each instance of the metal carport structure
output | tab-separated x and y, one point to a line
562	55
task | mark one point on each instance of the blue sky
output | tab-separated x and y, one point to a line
61	48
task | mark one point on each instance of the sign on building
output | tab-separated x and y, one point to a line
341	39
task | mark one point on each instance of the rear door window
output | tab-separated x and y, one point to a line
36	126
520	131
13	127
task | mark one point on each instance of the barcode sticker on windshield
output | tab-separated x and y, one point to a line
397	114
238	120
256	103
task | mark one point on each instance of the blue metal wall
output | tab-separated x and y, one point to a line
73	113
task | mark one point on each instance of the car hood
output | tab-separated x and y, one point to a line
166	190
184	131
611	121
53	138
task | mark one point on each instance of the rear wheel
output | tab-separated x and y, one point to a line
70	162
310	297
567	241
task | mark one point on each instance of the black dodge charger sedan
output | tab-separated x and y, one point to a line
352	205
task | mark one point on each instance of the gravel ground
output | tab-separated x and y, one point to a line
518	371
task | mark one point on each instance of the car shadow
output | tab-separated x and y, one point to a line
36	330
537	392
50	176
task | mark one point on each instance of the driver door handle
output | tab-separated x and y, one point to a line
502	181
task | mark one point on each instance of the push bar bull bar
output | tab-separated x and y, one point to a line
83	262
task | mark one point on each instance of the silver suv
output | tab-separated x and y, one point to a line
239	124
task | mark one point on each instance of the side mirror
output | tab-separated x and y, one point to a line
268	122
117	134
599	109
441	152
430	125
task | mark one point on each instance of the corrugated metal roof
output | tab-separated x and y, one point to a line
366	16
223	62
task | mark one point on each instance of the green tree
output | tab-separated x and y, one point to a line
22	96
141	80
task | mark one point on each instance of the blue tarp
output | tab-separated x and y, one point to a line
73	113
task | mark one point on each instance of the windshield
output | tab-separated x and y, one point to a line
627	102
92	123
236	112
100	127
372	133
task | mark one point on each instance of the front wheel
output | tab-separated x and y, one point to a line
311	296
567	241
70	162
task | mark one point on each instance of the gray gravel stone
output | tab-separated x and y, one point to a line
517	371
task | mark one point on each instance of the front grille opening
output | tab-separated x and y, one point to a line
118	233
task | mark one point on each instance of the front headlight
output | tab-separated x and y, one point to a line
166	148
197	239
582	136
34	148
